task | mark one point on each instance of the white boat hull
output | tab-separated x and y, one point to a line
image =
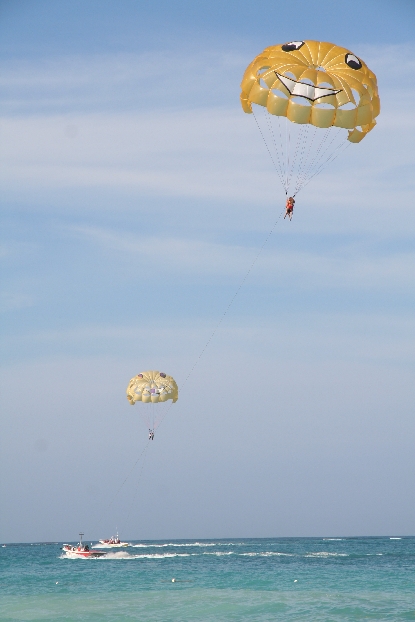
107	545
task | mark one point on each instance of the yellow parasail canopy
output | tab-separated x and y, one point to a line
316	83
152	387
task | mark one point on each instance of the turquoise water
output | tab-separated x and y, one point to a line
234	579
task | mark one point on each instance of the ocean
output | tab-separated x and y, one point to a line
233	579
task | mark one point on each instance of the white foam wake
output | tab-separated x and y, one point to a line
185	544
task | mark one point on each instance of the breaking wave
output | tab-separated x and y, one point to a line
326	554
267	554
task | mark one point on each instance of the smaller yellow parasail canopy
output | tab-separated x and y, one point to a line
313	82
152	387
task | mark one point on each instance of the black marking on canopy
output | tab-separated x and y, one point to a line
352	61
293	45
317	90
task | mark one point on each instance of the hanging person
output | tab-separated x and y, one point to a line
289	207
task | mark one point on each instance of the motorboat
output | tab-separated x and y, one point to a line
113	542
81	550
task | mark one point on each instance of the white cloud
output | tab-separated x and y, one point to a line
205	154
379	339
5	250
12	301
189	150
127	81
350	264
186	153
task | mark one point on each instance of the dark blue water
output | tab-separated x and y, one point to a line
260	579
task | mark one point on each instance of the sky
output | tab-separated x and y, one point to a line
136	195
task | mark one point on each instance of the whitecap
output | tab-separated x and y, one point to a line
219	553
373	554
266	554
326	554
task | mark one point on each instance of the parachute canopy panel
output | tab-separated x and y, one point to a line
316	83
152	387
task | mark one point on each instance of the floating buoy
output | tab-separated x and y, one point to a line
173	580
295	580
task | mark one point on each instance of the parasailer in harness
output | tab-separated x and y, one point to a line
289	207
321	96
153	389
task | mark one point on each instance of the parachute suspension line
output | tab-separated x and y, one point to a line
315	160
147	414
304	154
308	149
321	164
331	159
318	163
306	146
296	151
162	418
287	151
271	130
282	147
308	171
325	148
156	422
263	138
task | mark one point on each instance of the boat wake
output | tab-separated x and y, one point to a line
185	544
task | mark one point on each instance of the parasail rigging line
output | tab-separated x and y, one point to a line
140	475
270	154
280	170
296	168
304	155
302	181
287	151
229	305
233	298
339	149
282	148
308	149
316	163
143	453
296	150
303	176
241	284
